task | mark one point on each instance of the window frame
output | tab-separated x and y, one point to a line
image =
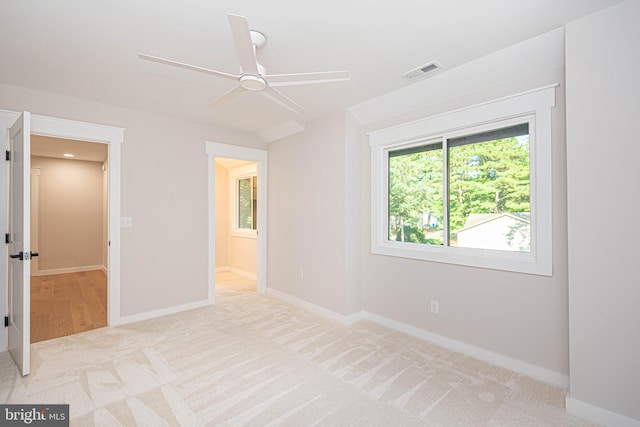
235	176
533	107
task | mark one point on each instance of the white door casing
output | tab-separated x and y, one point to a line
19	245
35	185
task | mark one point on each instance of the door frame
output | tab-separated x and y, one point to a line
70	129
35	207
213	150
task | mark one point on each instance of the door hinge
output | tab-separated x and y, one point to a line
7	238
6	321
7	155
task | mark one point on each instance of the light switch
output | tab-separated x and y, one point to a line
126	222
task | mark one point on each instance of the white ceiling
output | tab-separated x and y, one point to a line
88	49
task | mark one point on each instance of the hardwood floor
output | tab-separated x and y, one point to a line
65	304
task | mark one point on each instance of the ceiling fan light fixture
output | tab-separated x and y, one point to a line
254	83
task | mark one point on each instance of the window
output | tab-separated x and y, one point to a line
486	175
243	181
247	202
470	187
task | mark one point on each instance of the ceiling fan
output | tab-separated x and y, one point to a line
253	76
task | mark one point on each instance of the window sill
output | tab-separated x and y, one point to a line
520	262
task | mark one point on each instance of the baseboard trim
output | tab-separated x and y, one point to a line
542	374
70	270
125	320
237	271
243	273
354	318
589	412
325	312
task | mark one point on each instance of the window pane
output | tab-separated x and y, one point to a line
489	190
416	195
244	204
254	202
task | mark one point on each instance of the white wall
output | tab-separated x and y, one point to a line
603	150
164	189
70	213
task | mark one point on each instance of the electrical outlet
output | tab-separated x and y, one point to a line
435	306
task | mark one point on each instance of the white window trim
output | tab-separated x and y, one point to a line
535	105
236	174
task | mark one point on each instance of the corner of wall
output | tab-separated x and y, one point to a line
593	413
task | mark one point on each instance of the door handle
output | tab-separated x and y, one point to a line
21	255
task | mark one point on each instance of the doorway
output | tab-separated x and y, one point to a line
236	157
69	231
236	199
15	212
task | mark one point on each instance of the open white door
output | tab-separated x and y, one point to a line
19	245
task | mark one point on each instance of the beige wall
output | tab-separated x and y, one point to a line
307	214
164	189
521	316
315	212
243	255
222	216
603	152
70	214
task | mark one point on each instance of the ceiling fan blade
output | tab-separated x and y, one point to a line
306	78
244	46
227	96
283	100
188	66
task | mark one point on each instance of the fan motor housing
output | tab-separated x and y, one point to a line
250	82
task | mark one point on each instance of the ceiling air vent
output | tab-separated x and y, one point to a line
422	71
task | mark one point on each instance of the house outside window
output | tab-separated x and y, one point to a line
470	187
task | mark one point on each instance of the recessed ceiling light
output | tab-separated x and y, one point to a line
68	155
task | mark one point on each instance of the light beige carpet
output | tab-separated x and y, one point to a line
252	360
